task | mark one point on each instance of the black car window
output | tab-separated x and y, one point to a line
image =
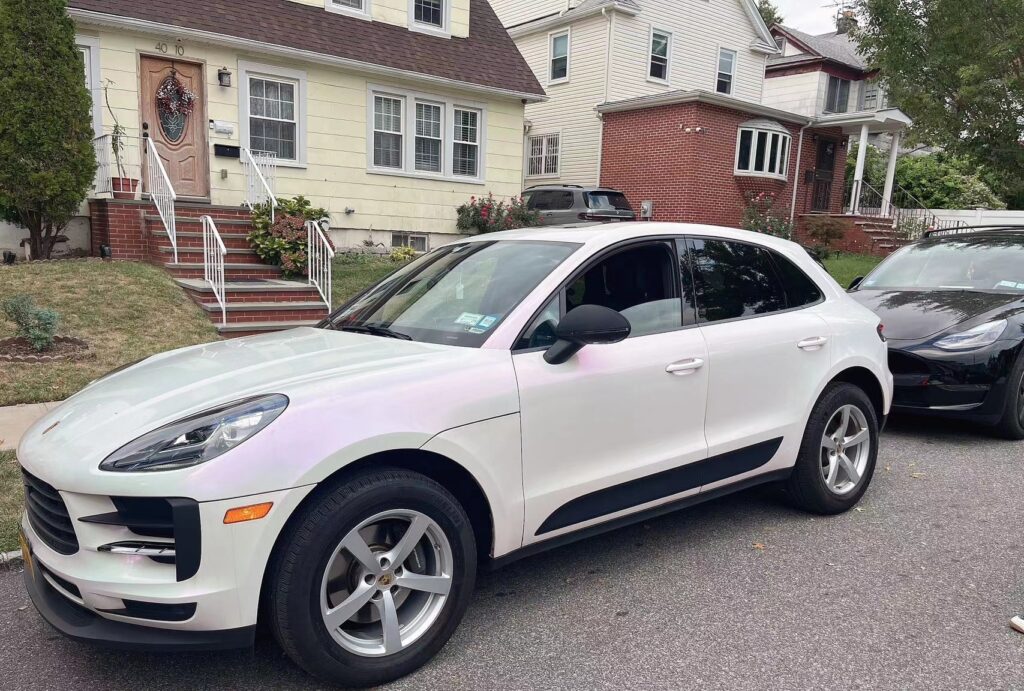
800	290
550	200
732	280
607	200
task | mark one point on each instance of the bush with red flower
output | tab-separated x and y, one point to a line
487	215
283	241
761	217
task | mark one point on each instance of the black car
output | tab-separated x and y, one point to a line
953	309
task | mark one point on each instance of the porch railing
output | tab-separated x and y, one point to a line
906	214
213	264
118	173
260	179
319	254
161	192
102	183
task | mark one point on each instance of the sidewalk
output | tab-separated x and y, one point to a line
15	419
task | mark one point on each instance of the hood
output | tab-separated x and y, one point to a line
912	315
173	385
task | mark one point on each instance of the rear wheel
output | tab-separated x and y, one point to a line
838	452
1012	424
372	578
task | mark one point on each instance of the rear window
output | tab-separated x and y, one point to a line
607	200
548	200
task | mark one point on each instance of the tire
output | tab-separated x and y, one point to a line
820	482
313	571
1012	424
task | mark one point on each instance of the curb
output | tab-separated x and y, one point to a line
10	558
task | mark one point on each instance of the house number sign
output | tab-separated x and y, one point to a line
166	48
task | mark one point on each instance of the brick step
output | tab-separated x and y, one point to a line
195	255
253	328
260	312
195	223
195	240
215	211
271	290
232	272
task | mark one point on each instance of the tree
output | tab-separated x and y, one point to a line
47	161
957	68
769	12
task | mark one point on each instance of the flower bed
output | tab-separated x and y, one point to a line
18	349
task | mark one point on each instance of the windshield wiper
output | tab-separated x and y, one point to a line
375	330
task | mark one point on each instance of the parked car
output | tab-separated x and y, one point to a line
498	396
573	204
953	309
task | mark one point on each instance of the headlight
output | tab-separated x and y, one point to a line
978	337
197	439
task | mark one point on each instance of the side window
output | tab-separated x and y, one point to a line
640	283
800	290
732	280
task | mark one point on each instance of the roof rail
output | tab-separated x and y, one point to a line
966	230
554	184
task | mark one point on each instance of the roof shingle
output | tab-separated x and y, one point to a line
488	57
834	46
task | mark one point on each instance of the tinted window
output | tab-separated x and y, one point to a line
981	263
800	290
607	200
549	200
734	279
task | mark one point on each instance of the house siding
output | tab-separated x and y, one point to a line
802	93
397	12
336	175
514	12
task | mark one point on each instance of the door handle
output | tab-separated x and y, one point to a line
684	367
812	343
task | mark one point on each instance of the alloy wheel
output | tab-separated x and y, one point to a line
1020	401
845	450
386	583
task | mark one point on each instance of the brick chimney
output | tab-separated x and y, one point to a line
846	22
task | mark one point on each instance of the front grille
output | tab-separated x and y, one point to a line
905	363
48	515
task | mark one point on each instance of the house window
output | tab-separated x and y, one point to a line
360	8
544	152
726	71
430	12
661	44
763	151
837	100
387	132
466	149
428	137
89	50
871	96
417	242
273	118
559	49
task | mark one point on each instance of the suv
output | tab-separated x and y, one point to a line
498	396
573	204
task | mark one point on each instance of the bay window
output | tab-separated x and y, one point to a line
763	149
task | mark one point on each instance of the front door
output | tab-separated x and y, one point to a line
824	171
179	138
617	428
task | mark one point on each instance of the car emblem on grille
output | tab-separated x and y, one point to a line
50	428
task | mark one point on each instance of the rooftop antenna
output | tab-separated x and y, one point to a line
842	8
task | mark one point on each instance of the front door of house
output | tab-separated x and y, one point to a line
177	128
824	171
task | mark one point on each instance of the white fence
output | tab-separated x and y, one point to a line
979	217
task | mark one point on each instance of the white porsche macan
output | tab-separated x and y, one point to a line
496	397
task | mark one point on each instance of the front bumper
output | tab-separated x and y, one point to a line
135	601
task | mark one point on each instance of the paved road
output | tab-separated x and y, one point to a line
913	591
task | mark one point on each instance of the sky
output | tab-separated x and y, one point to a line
808	15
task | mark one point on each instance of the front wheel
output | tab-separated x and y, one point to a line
1012	424
838	452
372	578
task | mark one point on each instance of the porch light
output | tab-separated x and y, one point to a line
224	76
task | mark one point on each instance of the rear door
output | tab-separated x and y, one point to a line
768	352
556	206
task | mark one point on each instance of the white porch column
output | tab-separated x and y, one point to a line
890	173
858	176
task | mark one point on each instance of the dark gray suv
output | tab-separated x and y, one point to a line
560	205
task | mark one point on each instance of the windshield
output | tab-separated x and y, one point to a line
982	264
455	295
608	201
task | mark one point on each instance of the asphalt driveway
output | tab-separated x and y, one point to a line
912	590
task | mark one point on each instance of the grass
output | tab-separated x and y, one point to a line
10	501
353	273
846	267
125	311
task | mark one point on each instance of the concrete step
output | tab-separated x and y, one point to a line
195	240
274	290
232	271
262	312
250	329
234	255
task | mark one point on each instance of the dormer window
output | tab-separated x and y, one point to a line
429	15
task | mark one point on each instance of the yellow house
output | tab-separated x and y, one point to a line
388	113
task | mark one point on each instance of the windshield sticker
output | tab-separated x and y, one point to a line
477	330
469	319
487	322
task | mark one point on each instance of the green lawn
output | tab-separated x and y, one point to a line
125	310
847	267
10	501
353	273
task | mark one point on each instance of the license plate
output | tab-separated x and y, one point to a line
26	552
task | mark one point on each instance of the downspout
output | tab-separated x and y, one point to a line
796	176
610	16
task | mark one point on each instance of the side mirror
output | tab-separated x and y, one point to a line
855	282
586	325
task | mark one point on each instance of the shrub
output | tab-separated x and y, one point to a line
825	230
759	216
282	242
402	254
35	324
489	216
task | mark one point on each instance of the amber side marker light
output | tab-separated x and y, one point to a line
247	513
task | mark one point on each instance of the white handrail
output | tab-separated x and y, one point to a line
319	254
260	179
213	263
161	192
101	181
